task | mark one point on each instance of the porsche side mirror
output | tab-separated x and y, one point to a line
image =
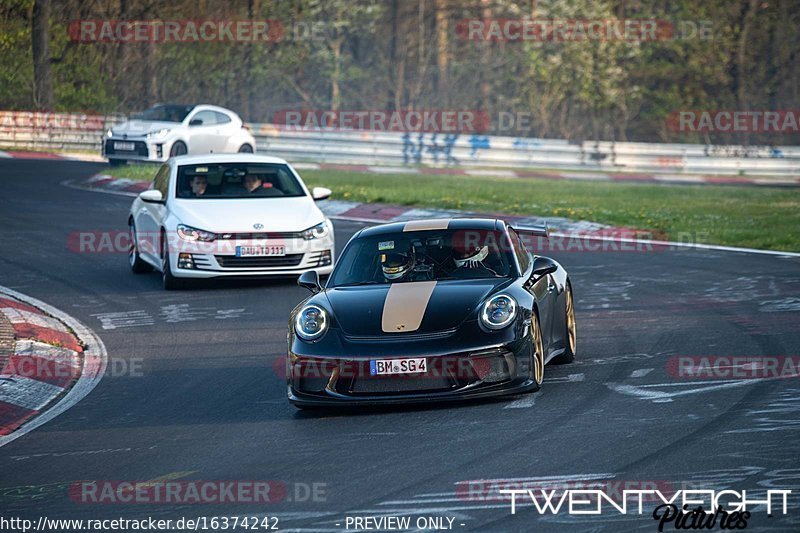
543	266
152	196
310	280
320	193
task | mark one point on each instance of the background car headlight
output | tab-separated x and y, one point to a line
109	133
189	233
317	232
498	311
311	322
158	134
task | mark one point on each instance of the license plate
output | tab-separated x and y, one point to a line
260	251
383	367
128	147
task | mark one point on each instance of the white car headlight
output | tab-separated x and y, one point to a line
311	322
499	311
109	133
317	232
160	134
189	233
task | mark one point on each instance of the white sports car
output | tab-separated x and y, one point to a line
229	215
169	130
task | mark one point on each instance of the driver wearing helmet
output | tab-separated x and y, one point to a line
469	260
397	265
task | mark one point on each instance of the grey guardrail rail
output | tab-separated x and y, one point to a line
84	132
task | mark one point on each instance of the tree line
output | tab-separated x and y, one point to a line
421	54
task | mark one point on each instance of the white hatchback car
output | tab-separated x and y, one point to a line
169	130
229	215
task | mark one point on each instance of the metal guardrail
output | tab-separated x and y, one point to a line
80	132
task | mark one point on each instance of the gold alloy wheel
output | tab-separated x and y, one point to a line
571	330
538	355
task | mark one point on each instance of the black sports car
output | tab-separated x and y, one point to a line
430	310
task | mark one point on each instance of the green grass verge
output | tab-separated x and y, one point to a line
752	217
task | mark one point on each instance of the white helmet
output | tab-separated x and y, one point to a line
470	257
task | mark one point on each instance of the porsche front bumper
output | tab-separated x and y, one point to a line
475	373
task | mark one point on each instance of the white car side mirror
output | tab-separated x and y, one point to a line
320	193
152	196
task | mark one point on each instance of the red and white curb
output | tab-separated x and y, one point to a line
384	213
56	361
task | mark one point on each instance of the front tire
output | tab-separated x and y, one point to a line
570	334
179	148
134	259
537	352
169	281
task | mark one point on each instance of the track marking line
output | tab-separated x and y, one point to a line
522	403
571	378
645	392
95	359
641	372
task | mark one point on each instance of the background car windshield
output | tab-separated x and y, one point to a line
164	113
237	180
435	256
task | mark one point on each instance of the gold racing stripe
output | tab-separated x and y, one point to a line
424	225
405	306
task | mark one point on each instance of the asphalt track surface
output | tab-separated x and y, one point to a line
203	401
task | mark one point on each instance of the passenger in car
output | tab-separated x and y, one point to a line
199	185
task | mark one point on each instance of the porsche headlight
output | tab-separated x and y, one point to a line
311	322
317	232
498	311
189	233
158	134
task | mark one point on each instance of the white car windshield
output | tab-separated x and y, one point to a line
164	113
237	180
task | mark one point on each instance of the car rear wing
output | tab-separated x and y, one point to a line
539	230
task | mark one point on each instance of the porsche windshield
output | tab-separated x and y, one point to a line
164	113
424	256
237	180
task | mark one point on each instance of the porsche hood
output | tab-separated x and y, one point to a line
397	308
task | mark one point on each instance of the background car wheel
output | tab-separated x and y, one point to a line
137	265
169	281
537	352
117	162
179	148
245	149
570	335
